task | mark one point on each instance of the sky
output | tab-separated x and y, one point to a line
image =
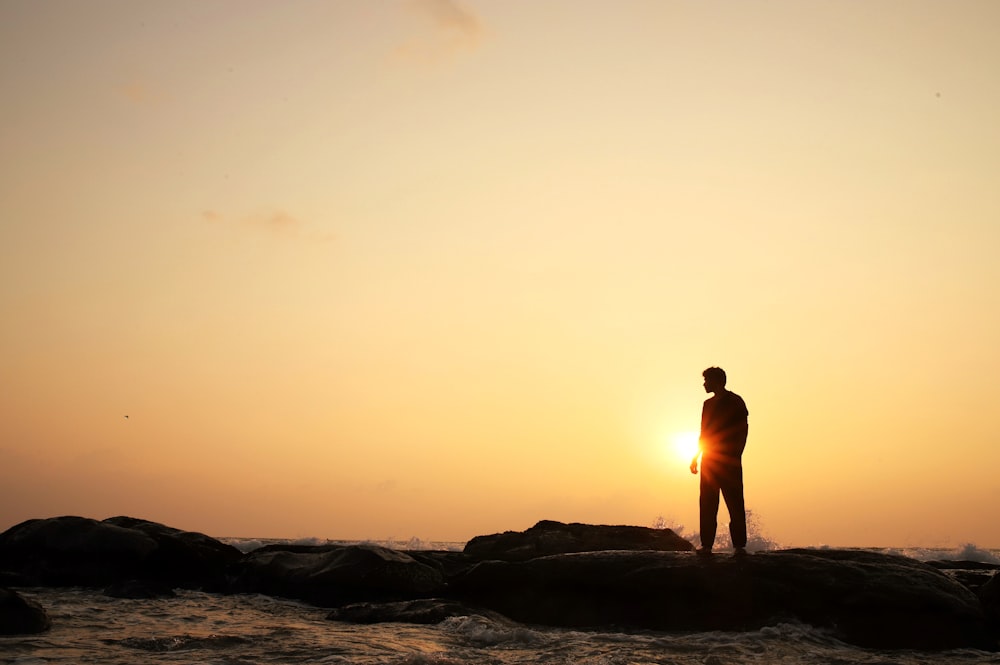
442	268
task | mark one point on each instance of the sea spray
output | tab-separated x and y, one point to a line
964	552
757	539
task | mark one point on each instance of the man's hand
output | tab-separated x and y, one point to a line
694	465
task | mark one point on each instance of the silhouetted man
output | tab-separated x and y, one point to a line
723	438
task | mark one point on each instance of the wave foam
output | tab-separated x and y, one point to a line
964	552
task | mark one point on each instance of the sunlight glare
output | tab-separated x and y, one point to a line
685	445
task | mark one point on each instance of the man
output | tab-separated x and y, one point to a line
723	438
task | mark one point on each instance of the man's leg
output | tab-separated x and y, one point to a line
708	502
732	492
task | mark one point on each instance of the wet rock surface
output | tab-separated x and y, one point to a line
868	599
20	616
548	537
586	576
332	576
989	596
77	551
423	611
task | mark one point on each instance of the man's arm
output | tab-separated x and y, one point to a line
701	447
701	437
744	427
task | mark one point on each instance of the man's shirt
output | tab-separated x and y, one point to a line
724	425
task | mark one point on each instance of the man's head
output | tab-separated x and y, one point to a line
715	379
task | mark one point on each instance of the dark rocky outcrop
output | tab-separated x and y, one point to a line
972	574
548	537
570	575
989	595
77	551
12	579
332	576
183	558
422	611
868	599
448	564
67	551
20	616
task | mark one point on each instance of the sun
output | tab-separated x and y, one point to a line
685	445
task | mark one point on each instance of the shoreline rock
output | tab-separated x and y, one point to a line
549	537
868	599
421	611
333	576
569	575
989	596
78	551
971	574
20	615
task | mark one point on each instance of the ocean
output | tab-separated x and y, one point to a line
203	628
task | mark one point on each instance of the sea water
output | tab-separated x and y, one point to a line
202	628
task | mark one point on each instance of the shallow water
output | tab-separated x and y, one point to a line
201	628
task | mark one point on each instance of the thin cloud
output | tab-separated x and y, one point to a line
276	221
448	29
267	221
141	94
450	16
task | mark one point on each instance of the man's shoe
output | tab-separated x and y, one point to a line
740	551
703	551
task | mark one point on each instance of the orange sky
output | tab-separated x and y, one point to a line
440	268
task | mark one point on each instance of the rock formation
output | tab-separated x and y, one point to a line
548	537
71	551
332	576
422	611
19	615
571	575
989	595
866	598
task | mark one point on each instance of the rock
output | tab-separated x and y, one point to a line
77	551
972	574
333	576
296	548
68	551
570	575
423	611
12	579
868	599
548	537
989	596
139	590
448	564
183	558
21	616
